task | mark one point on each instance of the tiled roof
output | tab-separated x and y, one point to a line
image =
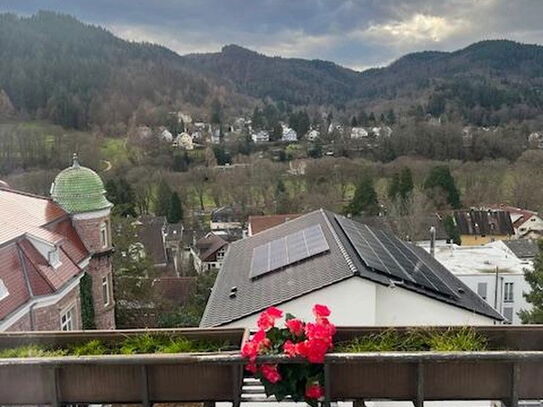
258	224
483	222
341	262
209	245
149	233
522	248
79	189
520	215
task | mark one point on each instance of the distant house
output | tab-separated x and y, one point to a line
382	131
208	252
322	257
289	134
226	218
261	137
184	141
535	140
358	133
312	135
481	267
527	224
477	227
165	135
216	136
185	118
522	249
257	224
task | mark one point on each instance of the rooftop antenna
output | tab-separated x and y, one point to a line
75	160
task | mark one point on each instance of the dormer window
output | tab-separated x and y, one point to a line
3	290
54	258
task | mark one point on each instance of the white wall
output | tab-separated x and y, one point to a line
361	302
519	287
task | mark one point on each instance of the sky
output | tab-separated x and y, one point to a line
359	34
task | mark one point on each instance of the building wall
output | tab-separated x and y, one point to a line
519	287
23	324
531	228
361	302
48	318
477	240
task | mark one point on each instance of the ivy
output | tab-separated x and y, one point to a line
87	306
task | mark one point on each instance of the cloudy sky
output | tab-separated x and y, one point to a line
355	33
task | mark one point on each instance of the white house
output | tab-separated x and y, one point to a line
367	277
166	135
527	224
358	133
312	135
261	137
289	134
184	141
493	271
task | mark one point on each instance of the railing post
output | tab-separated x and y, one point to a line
515	377
145	387
327	398
53	385
237	372
419	401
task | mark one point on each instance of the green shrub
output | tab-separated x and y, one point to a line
31	351
94	347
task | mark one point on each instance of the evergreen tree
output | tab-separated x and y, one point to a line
363	118
365	199
451	229
394	187
405	185
371	118
162	199
391	117
440	179
277	132
121	194
281	197
535	296
354	122
175	209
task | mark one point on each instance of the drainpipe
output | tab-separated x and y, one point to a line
31	315
496	290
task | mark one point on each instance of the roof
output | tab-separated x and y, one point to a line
522	248
393	225
209	245
149	233
25	272
519	216
79	189
226	214
258	224
339	263
483	222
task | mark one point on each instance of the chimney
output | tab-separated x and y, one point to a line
432	241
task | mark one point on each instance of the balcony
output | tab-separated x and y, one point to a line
511	374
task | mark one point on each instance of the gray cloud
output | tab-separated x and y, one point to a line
355	33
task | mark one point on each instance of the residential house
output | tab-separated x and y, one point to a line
366	276
226	218
527	224
184	141
289	134
257	224
358	133
47	245
165	135
261	137
215	136
535	140
208	252
493	272
522	249
477	227
312	135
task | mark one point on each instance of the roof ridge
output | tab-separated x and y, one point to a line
29	194
342	249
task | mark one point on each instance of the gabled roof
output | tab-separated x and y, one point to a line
339	263
519	216
258	224
149	233
522	248
209	245
483	222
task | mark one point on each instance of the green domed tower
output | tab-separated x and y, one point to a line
79	189
80	192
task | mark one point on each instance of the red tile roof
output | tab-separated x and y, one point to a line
258	224
523	214
23	269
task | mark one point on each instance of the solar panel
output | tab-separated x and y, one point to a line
388	255
287	250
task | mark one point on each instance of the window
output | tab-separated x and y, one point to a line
3	290
104	234
508	292
508	314
105	290
67	320
54	258
481	290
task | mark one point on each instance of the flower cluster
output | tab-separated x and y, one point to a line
309	341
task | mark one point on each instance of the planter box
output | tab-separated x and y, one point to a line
119	378
514	373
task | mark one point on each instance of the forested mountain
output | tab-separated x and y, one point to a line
54	67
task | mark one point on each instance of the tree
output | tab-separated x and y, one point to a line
281	197
452	231
277	132
162	198
535	296
120	193
394	187
440	181
405	183
354	122
175	209
365	199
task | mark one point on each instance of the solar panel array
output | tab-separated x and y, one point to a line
288	250
389	255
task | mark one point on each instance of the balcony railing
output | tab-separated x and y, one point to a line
509	375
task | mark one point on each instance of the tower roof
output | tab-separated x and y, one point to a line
79	189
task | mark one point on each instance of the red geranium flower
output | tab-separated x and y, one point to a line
290	349
314	391
321	311
266	320
295	326
270	373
